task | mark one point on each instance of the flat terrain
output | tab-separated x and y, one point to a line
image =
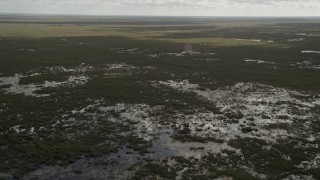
119	98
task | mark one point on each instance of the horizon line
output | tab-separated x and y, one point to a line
182	16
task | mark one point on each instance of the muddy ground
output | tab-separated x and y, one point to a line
244	104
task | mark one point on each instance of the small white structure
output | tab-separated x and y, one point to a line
188	48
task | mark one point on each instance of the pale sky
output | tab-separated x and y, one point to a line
165	7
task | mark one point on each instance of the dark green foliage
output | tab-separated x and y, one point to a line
153	171
62	144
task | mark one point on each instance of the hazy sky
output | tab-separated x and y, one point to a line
166	7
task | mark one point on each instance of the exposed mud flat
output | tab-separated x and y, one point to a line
247	111
125	50
297	39
29	50
162	54
306	65
310	52
248	108
308	34
120	70
84	68
207	59
182	54
309	64
253	40
78	77
12	85
258	61
146	122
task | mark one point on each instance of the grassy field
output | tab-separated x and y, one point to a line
118	98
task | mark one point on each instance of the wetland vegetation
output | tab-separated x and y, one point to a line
119	98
